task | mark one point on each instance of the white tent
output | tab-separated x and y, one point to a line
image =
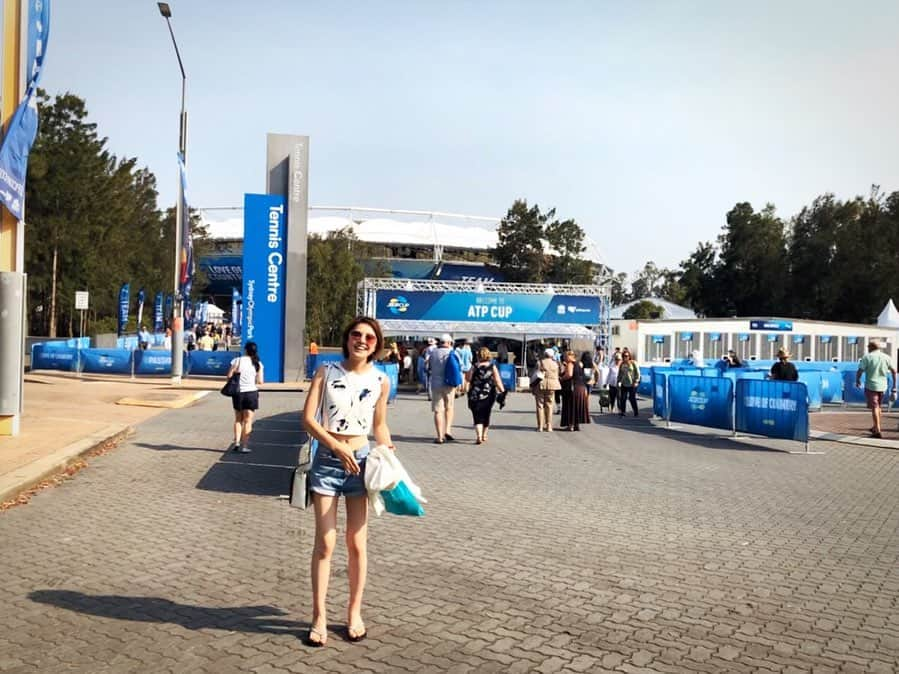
889	317
213	313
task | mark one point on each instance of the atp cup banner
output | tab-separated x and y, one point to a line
486	307
262	311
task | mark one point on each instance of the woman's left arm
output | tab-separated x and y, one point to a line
379	421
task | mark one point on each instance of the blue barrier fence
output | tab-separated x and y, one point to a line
774	409
701	401
660	392
115	361
507	375
52	356
392	370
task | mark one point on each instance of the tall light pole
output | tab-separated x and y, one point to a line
177	299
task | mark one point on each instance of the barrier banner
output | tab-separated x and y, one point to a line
507	375
812	381
701	401
153	362
660	392
831	387
264	251
213	362
117	361
851	394
54	356
774	409
392	370
644	388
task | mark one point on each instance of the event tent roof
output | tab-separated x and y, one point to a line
670	309
889	317
485	329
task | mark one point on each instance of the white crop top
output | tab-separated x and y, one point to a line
350	399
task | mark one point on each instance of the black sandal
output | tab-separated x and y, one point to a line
359	635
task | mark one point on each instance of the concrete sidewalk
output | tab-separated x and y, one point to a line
67	416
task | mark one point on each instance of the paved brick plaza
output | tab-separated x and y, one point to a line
620	548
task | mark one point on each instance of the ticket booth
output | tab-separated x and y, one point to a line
712	346
801	347
685	345
657	348
741	343
852	348
826	348
770	343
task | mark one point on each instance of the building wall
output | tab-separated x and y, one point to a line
664	340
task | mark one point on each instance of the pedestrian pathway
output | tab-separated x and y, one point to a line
623	547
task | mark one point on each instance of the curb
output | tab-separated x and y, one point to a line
854	440
23	478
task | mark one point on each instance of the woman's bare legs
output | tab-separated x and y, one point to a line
325	540
238	425
479	432
357	559
538	400
246	422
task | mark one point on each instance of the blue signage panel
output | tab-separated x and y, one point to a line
156	361
780	326
774	409
53	356
262	310
701	401
658	339
486	307
659	379
215	362
106	360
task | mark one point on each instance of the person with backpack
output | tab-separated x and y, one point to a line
484	383
444	377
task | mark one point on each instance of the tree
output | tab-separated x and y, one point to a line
333	273
519	249
753	267
644	309
566	239
698	280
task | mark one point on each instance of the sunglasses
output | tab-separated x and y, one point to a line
369	337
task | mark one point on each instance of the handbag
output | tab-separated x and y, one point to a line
301	481
232	386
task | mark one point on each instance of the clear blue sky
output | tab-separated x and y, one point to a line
644	121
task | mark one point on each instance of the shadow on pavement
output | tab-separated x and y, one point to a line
169	447
268	468
255	619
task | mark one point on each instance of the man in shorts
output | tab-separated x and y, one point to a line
442	396
875	365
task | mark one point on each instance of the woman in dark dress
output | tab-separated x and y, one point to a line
566	376
580	396
484	383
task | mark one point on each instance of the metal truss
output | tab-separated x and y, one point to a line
368	287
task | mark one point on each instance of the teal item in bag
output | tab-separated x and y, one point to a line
401	501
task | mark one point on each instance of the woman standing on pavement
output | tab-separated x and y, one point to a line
246	402
580	397
628	379
567	378
545	389
353	395
612	381
483	383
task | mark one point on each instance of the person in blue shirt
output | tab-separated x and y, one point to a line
465	358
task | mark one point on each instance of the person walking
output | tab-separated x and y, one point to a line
544	390
484	383
580	396
612	380
783	369
442	396
246	402
353	396
628	380
875	365
463	351
566	376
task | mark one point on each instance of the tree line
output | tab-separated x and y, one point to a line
93	223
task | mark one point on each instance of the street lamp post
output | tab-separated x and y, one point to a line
177	299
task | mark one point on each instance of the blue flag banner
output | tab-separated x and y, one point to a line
701	401
23	127
187	243
202	311
188	309
158	323
235	312
774	409
264	251
141	296
124	300
168	307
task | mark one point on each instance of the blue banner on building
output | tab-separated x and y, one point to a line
780	326
22	129
124	302
774	409
701	401
486	307
262	313
158	323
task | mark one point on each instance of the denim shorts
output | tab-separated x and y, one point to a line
328	477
